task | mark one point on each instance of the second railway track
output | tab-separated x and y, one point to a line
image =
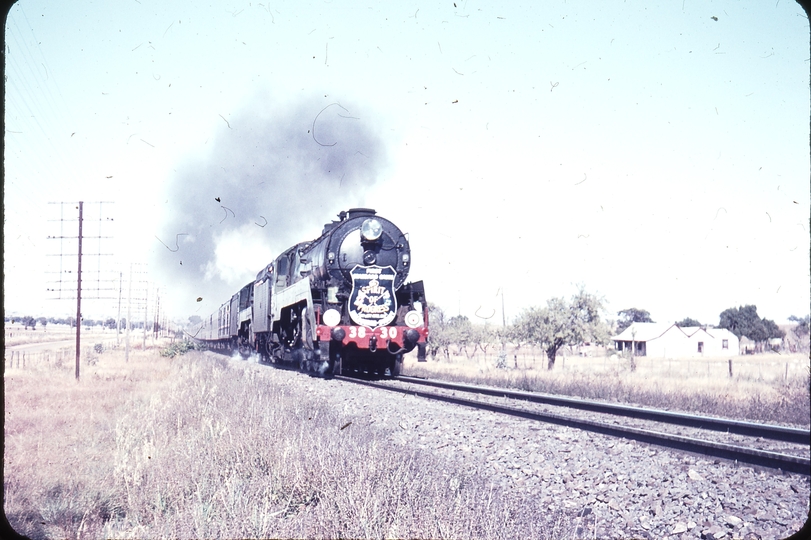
794	437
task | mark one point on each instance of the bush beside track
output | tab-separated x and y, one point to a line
181	348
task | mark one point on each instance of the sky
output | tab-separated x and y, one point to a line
656	154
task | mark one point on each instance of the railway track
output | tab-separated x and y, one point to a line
717	449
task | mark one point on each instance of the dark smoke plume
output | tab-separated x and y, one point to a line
273	176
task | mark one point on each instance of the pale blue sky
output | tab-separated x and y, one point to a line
650	152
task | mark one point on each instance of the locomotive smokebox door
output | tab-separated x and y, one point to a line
372	302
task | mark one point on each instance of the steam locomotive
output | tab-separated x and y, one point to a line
336	304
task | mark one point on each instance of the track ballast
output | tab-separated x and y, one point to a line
753	456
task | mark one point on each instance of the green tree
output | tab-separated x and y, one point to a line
687	321
802	328
631	315
562	323
744	321
483	336
440	338
110	323
460	333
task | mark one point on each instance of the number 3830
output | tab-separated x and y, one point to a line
360	332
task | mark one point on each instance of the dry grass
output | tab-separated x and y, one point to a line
765	387
200	447
16	334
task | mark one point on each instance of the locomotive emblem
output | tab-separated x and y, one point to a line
372	302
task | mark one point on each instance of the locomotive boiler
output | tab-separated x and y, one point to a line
336	304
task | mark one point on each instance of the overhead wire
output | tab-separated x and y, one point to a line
37	121
35	117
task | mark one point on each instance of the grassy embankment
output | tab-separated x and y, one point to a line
764	387
200	446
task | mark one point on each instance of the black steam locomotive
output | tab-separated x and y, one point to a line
336	304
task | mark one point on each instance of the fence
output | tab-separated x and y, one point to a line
65	356
766	367
772	368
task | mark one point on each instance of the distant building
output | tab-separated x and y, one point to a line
666	340
746	345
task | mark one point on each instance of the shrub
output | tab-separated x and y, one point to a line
180	348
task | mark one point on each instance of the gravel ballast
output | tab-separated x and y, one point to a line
612	488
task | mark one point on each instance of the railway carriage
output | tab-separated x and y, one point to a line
335	304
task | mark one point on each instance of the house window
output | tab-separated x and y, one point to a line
701	346
725	344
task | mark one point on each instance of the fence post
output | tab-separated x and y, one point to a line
730	367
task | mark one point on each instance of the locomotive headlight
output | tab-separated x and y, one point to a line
413	319
406	258
331	317
371	230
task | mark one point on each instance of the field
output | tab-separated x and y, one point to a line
199	446
16	334
770	387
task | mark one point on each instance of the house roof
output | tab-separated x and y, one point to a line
643	331
650	331
721	333
690	330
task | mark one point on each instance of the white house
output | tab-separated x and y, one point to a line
666	340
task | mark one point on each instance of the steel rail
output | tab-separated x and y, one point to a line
752	429
752	456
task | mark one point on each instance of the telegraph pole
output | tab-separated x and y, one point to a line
118	317
146	306
79	296
81	289
504	332
129	305
156	328
140	295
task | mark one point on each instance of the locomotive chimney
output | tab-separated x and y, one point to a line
357	212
